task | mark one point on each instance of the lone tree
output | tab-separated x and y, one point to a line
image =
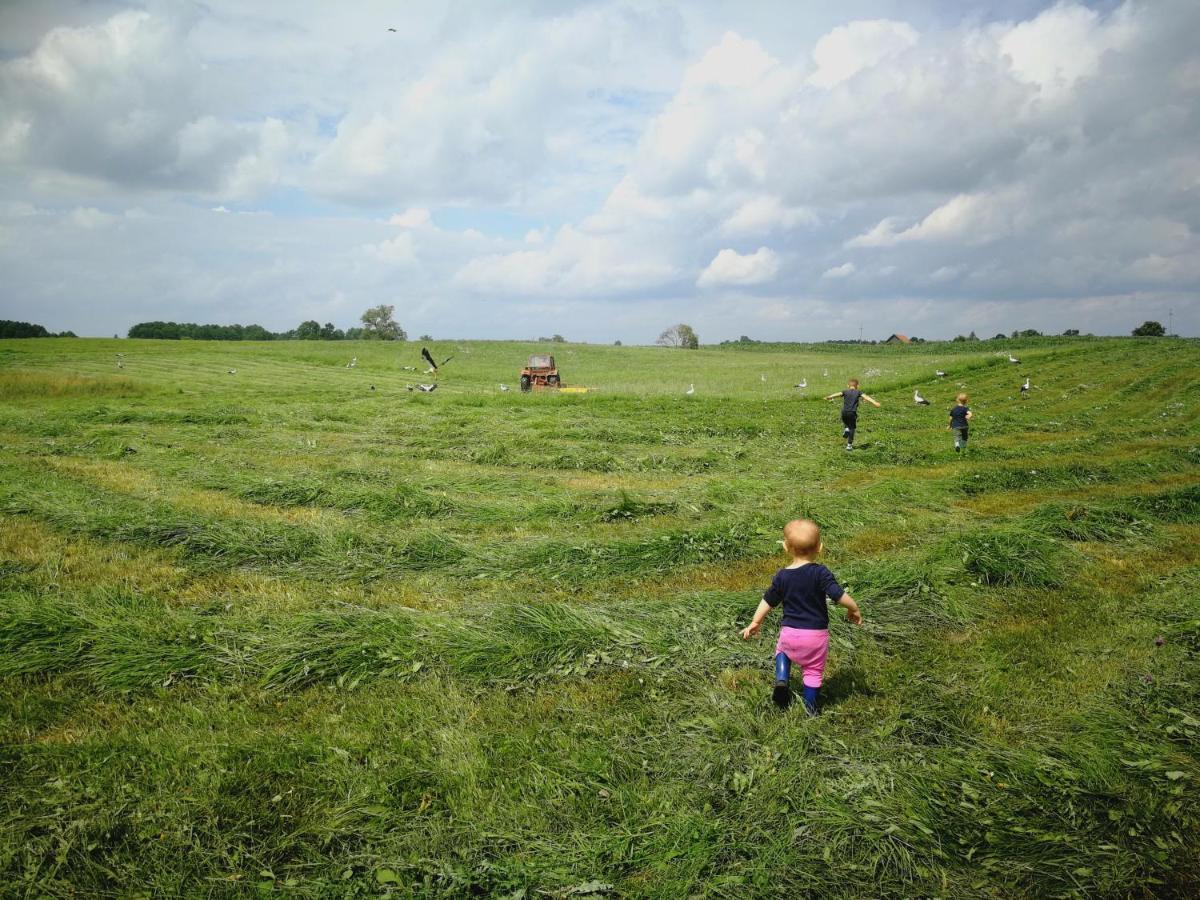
378	324
308	331
679	336
1149	329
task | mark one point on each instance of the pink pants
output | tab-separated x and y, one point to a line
807	647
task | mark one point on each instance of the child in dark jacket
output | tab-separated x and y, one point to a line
802	587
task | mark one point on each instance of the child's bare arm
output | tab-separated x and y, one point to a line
852	611
834	395
969	414
764	609
871	400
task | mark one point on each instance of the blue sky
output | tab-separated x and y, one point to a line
602	170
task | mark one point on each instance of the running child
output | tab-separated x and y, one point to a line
960	419
802	587
850	397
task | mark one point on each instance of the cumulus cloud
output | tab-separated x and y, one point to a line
121	103
611	161
731	267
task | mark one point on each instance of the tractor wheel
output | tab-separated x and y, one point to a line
525	383
552	380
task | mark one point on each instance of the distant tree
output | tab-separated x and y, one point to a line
66	334
1027	333
1071	332
10	329
1149	329
308	331
960	338
1000	337
972	336
558	339
331	333
256	333
379	324
616	343
680	335
427	337
356	334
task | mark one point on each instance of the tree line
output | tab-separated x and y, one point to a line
378	323
11	329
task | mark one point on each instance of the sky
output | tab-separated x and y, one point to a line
516	168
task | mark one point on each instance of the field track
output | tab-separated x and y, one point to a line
275	630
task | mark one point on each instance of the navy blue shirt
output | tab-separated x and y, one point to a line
850	399
802	592
958	416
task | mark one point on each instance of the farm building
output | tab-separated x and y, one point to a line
898	339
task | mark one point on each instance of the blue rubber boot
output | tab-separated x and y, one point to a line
810	700
782	695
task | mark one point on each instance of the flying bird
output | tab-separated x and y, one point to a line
433	366
427	388
392	30
691	390
940	373
803	383
919	400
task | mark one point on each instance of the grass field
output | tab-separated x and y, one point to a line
275	631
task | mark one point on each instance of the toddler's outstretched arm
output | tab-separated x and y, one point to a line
852	611
764	609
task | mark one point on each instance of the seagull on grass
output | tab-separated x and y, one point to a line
803	383
120	364
427	388
691	390
919	400
231	372
764	378
503	387
940	373
1013	359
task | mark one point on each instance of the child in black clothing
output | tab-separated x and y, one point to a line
960	418
850	397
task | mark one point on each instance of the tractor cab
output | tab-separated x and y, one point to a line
540	372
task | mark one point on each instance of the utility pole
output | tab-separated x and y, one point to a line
860	332
1170	321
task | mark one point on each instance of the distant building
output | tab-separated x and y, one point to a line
898	339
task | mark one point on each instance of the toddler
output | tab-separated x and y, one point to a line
802	587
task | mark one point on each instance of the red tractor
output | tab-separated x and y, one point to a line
540	373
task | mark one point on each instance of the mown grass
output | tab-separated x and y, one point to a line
279	632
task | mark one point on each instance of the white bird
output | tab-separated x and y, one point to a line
825	374
232	372
919	400
940	373
430	371
1025	388
803	383
691	390
120	365
764	378
408	368
427	388
504	387
1012	359
353	364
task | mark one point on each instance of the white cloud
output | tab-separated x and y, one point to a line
395	251
90	217
849	49
845	270
731	267
414	217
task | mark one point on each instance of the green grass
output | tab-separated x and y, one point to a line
278	632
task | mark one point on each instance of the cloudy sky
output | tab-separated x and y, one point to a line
507	169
